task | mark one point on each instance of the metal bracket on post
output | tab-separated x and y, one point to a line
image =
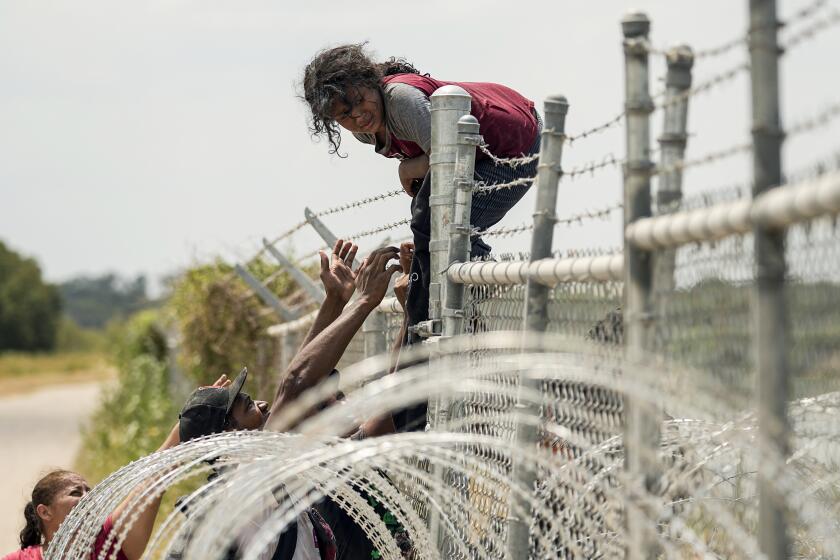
322	230
536	315
641	419
315	291
283	312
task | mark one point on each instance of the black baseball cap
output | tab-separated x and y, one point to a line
206	409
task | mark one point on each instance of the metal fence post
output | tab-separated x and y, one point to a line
770	315
322	230
449	104
459	228
282	312
642	421
672	143
536	306
315	291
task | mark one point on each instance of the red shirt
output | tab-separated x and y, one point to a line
507	120
34	552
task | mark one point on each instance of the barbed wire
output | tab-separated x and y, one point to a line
512	162
358	203
482	188
609	160
821	119
575	219
380	229
812	31
615	121
704	86
800	15
705	159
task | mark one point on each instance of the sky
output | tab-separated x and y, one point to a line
143	137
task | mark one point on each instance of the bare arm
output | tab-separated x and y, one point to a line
410	169
138	536
384	424
318	358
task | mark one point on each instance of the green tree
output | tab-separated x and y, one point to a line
93	301
30	309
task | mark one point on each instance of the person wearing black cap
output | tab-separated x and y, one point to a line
219	408
210	410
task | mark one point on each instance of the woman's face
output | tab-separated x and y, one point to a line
362	113
66	499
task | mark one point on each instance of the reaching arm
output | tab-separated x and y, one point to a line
338	280
411	169
318	358
384	424
138	536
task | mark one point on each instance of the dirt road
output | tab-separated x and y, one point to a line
38	431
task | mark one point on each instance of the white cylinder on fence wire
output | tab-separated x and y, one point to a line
546	272
390	305
297	325
775	209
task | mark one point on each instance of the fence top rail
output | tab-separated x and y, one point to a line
550	272
778	208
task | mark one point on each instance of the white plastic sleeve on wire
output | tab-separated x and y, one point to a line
297	325
549	272
390	305
778	208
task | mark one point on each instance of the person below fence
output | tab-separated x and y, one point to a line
217	409
58	492
387	104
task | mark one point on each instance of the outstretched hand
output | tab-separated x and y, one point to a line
374	275
336	271
402	283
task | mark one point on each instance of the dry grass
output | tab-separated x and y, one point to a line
24	372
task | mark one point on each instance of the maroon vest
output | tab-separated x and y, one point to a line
507	121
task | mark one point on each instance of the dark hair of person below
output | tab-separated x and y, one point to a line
329	76
44	492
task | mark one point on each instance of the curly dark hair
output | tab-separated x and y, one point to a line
330	74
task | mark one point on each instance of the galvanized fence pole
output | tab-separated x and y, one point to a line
459	228
271	300
672	144
313	289
770	316
642	421
536	308
449	104
322	230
